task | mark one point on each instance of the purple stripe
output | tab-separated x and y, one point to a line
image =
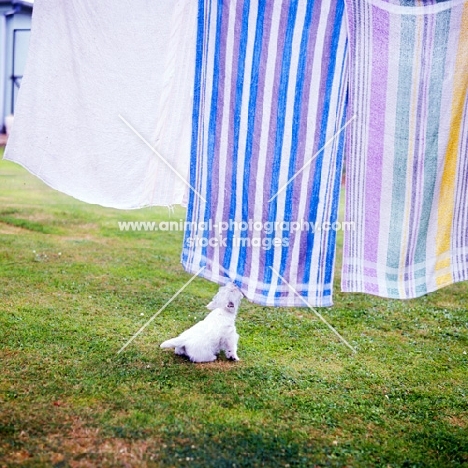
461	206
302	157
375	148
258	127
274	118
234	62
274	104
219	121
326	49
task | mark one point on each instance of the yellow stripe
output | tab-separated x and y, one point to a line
447	188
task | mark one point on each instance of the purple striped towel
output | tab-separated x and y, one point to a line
407	166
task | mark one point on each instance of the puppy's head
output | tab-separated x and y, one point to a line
228	298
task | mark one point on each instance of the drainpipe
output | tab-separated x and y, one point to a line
4	19
2	69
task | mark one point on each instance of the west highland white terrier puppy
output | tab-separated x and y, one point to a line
204	341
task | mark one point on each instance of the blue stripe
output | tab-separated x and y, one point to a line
195	119
331	244
211	147
296	127
237	120
322	140
280	123
251	129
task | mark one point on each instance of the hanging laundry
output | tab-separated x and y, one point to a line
407	159
269	106
96	69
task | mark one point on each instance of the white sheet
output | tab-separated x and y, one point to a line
90	62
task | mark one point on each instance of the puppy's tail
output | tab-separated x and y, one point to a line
173	343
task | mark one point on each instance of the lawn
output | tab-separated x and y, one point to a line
74	289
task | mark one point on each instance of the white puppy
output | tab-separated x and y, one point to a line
204	341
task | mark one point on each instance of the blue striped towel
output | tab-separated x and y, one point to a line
269	105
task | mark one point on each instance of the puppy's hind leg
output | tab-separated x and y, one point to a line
199	352
231	346
204	358
180	350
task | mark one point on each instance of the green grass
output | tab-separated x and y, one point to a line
73	289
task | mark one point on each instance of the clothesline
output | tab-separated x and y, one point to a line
250	107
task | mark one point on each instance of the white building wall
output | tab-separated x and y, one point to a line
9	23
2	68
